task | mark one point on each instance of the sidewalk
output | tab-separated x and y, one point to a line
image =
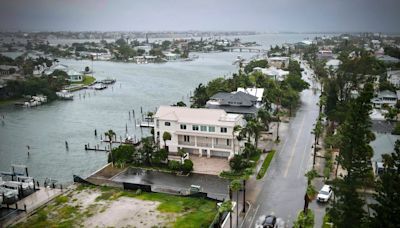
241	214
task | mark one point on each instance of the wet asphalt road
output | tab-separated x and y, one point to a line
281	191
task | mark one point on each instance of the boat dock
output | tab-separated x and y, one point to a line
10	214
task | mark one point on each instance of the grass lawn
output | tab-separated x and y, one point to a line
87	80
70	210
265	164
8	101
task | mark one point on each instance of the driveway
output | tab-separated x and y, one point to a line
210	166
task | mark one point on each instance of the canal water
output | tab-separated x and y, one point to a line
45	129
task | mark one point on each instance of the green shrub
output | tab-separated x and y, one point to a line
174	165
265	165
187	166
305	221
396	130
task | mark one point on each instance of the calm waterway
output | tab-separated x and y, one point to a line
46	128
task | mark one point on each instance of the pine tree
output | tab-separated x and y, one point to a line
354	157
387	209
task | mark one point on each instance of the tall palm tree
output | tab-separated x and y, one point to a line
236	185
236	129
110	134
265	117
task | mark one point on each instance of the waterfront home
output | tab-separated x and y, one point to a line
171	56
74	76
199	132
279	62
235	102
386	97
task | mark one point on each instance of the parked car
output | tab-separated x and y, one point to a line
325	193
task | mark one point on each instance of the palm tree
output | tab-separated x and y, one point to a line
265	117
236	129
110	134
225	207
236	185
310	191
166	136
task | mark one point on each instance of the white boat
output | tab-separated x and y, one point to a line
8	196
99	86
65	95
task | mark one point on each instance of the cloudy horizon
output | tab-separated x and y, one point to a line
299	16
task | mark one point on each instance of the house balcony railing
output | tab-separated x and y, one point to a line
186	143
204	144
222	146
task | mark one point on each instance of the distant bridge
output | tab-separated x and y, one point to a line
249	49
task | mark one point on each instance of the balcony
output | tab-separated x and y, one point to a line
186	143
204	144
222	146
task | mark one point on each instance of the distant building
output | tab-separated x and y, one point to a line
386	97
200	132
171	56
333	63
393	76
325	55
387	59
8	70
279	62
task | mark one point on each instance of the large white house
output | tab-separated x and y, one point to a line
201	132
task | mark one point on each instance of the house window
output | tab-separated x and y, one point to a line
228	142
224	130
186	138
211	128
167	124
216	141
183	126
195	127
203	128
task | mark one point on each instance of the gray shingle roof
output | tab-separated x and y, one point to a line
235	99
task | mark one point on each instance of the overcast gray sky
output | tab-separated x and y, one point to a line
161	15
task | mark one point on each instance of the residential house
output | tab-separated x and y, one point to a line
74	76
386	97
325	55
235	102
387	59
393	76
8	70
201	132
171	56
277	74
333	63
257	92
279	62
383	144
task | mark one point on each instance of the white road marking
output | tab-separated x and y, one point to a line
302	160
255	214
293	149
